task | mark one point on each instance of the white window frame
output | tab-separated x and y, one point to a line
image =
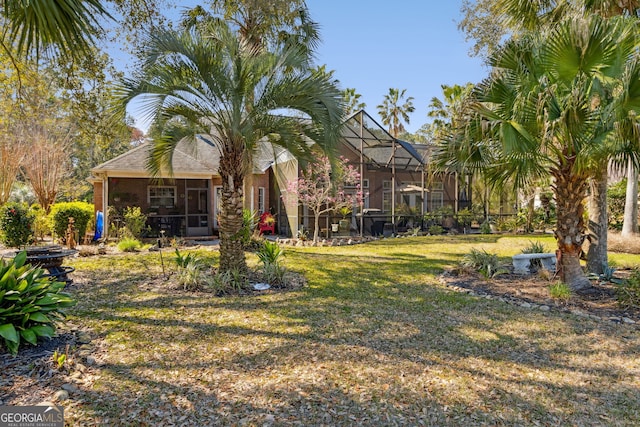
261	200
151	197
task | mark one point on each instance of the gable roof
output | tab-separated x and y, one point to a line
190	159
379	148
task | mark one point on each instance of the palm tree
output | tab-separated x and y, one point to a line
447	112
352	100
208	81
68	25
489	20
393	114
544	103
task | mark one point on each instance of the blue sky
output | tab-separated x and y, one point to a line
374	45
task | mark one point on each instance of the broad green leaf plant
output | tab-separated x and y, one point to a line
30	303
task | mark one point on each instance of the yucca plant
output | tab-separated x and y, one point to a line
30	303
270	253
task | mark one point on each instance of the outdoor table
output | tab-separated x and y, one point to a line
51	258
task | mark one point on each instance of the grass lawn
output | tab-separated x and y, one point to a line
373	339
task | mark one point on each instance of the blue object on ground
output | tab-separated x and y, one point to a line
99	225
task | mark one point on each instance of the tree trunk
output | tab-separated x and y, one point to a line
630	224
230	221
597	261
570	191
316	227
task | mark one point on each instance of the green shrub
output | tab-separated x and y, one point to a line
16	225
41	223
30	303
129	244
436	230
134	221
616	198
560	291
60	213
485	228
628	292
486	263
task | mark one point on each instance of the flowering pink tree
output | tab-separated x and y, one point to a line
322	189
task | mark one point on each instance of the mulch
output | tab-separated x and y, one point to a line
600	300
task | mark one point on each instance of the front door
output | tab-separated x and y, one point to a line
198	212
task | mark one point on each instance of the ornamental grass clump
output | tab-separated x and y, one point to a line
560	291
486	263
30	303
129	244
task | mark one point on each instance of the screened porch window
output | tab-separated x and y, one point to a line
162	196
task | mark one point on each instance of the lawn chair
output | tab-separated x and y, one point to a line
267	223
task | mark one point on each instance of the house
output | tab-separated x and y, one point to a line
394	181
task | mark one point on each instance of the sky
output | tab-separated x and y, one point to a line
374	45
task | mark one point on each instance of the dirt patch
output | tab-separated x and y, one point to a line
533	289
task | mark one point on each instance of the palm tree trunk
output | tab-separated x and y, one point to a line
230	221
630	224
597	261
570	191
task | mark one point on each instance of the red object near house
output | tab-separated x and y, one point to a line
267	223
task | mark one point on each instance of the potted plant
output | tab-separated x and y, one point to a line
344	211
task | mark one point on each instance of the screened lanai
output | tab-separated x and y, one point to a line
381	153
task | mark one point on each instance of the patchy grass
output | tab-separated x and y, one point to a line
372	340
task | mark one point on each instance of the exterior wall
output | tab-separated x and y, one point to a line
98	202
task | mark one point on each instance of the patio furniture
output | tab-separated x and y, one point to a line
267	223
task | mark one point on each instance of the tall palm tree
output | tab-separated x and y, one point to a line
208	81
544	102
70	26
392	113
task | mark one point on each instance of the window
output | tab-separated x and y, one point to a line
437	199
261	207
365	184
437	186
161	196
386	201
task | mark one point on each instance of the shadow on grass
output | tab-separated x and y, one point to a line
377	334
